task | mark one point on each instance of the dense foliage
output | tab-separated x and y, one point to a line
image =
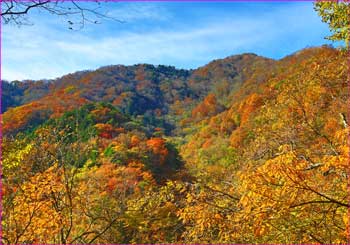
336	15
243	150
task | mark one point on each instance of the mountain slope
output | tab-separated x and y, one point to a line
280	156
243	150
152	92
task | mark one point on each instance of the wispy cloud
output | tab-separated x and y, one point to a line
44	57
43	51
140	11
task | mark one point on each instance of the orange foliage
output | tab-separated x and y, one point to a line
208	107
50	106
135	140
122	178
207	143
100	113
118	101
158	147
249	105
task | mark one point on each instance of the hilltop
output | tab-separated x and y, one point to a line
245	149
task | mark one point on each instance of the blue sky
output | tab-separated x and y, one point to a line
185	35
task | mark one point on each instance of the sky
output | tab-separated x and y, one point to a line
181	34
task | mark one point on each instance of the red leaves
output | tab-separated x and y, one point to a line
112	184
120	179
105	135
105	130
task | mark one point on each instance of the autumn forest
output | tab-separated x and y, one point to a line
245	149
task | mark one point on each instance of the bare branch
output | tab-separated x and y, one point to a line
17	12
310	202
25	11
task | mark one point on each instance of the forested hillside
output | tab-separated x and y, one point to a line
158	96
243	150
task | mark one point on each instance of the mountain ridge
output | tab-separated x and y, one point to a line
137	88
224	154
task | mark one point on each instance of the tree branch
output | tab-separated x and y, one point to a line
310	202
9	12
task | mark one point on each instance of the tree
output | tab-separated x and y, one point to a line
76	13
336	15
288	177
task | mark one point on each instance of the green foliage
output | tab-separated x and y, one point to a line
10	95
74	124
14	152
336	15
154	157
108	151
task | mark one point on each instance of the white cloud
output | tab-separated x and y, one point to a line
42	51
140	11
42	57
